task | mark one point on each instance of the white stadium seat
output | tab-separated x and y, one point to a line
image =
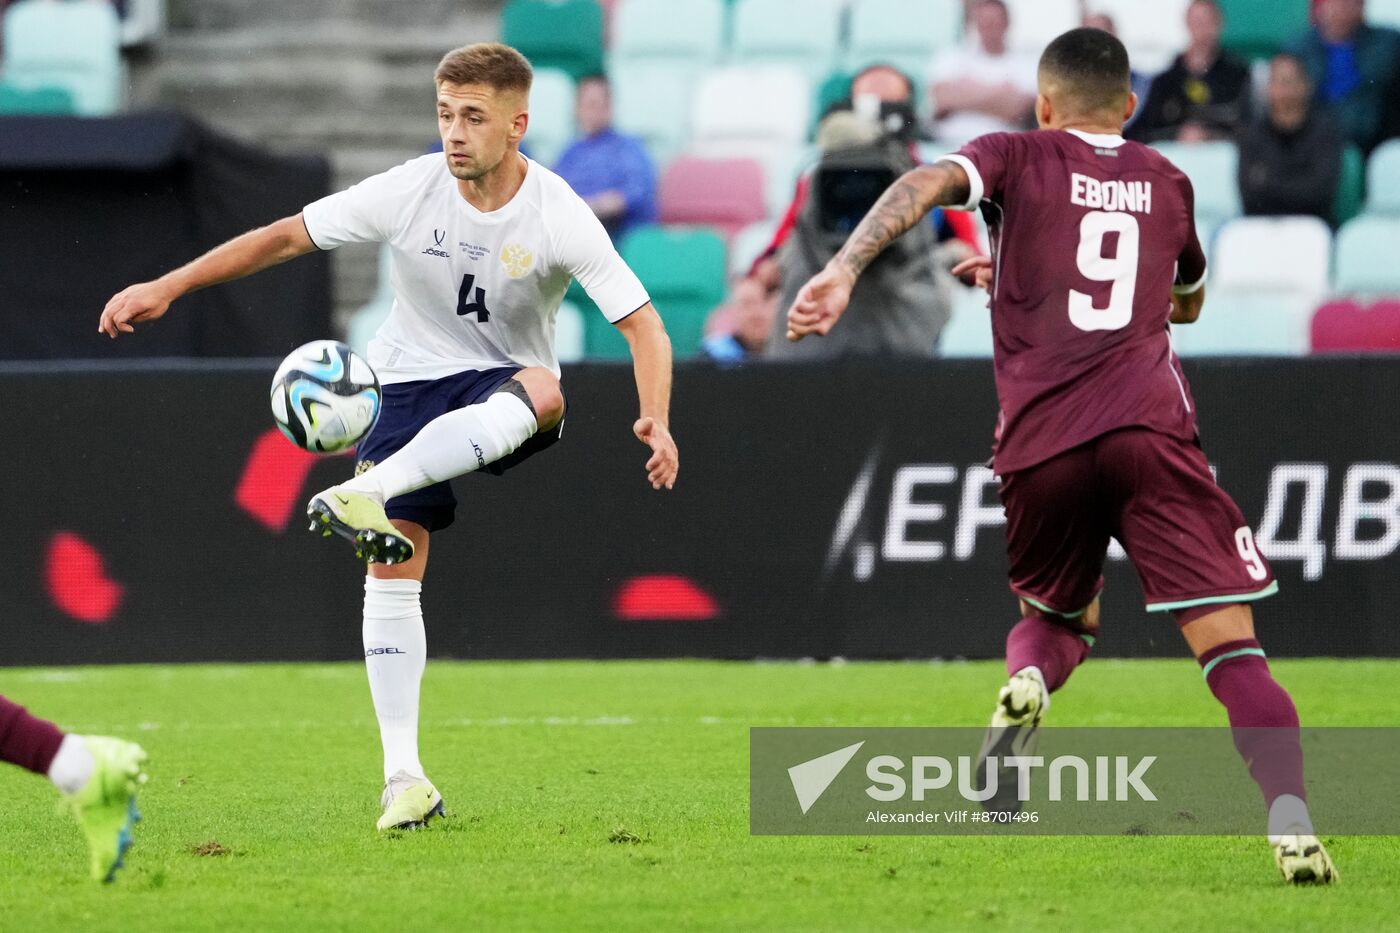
765	104
747	244
1153	32
568	333
773	32
551	115
969	331
653	100
1267	254
1035	22
676	32
1246	322
1213	169
903	33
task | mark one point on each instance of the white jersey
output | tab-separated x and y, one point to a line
474	290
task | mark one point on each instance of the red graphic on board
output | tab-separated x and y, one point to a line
663	597
76	576
270	488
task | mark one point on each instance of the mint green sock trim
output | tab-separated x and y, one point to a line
1205	672
1088	640
1269	590
1044	608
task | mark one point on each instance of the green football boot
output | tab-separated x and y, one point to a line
409	802
105	807
359	519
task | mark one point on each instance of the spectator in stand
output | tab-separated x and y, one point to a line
1291	158
1140	82
955	230
610	171
1356	68
738	330
1205	94
982	87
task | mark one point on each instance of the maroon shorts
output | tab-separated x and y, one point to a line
1186	538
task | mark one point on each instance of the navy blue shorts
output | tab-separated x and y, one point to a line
407	407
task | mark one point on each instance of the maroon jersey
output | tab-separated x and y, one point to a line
1090	234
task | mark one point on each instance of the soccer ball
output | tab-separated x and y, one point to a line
325	397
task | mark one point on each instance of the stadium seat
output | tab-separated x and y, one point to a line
683	33
569	330
1245	322
653	100
1351	186
1264	254
834	88
1383	179
746	246
683	271
723	193
969	330
564	34
1259	28
769	32
1347	327
1383	13
1366	256
903	33
1213	169
1153	32
1035	22
364	321
551	115
39	100
74	45
760	104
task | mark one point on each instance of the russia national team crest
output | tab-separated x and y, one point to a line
517	259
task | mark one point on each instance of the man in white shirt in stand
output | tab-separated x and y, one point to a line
484	243
982	87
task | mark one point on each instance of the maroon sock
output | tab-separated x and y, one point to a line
1262	716
26	740
1054	647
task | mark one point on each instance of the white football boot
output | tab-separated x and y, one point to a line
409	802
1014	731
1302	860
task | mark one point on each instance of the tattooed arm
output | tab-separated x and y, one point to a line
823	300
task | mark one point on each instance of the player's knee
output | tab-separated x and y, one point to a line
543	394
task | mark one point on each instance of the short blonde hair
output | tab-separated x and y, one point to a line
497	66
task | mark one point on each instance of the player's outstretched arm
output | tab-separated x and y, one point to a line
822	301
651	361
243	255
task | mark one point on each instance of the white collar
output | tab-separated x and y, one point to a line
1101	140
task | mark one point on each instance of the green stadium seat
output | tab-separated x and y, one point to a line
689	33
1383	179
569	330
1351	186
551	115
903	33
563	34
1365	256
769	32
683	270
836	87
39	100
1259	28
75	45
1213	169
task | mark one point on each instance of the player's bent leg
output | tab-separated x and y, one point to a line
396	654
465	439
1264	725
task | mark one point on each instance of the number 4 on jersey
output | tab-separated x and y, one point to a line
469	304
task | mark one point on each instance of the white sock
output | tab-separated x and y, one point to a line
1288	816
72	767
450	445
396	651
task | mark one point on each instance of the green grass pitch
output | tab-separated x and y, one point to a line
613	796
